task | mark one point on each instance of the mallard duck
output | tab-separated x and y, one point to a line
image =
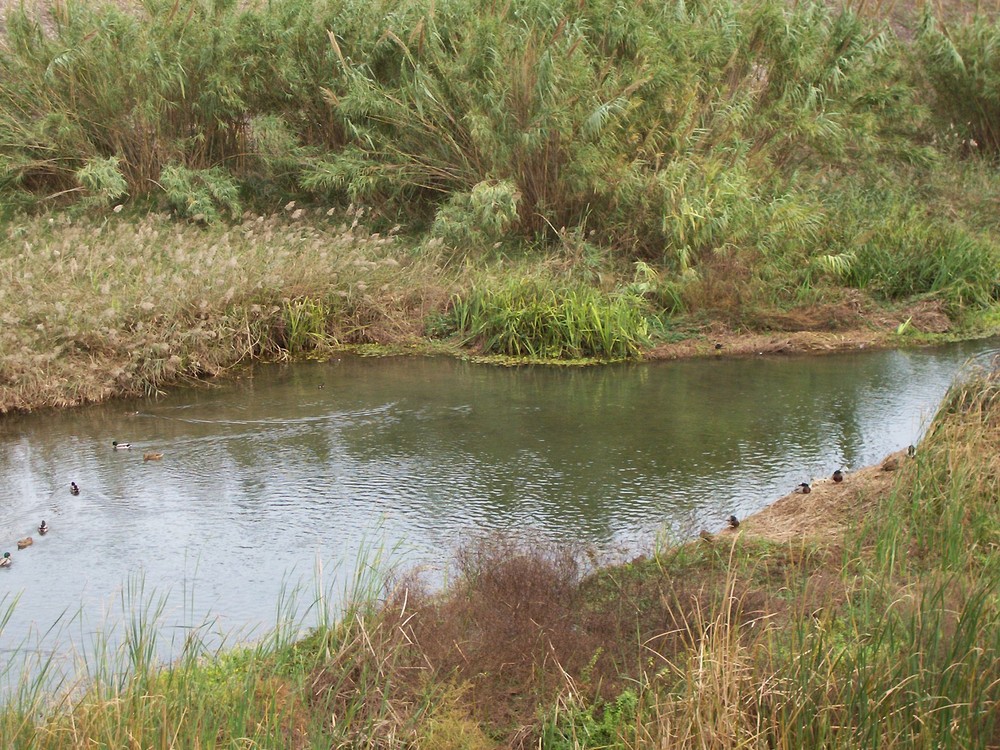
43	528
890	464
74	489
26	542
733	522
121	446
5	561
706	536
838	476
803	489
911	451
152	456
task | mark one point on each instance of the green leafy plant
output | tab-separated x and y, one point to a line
531	320
200	195
961	64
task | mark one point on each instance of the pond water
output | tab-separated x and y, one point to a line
268	477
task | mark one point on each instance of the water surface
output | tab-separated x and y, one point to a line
287	468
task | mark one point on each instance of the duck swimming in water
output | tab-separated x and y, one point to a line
121	446
803	489
74	489
5	561
152	456
26	542
838	476
733	522
43	528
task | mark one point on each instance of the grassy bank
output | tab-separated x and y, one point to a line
539	179
98	309
887	635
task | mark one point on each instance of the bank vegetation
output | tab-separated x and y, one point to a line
186	186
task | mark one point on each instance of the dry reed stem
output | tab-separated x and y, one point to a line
95	310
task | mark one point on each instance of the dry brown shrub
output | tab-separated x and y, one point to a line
525	624
372	686
925	316
723	287
509	626
838	316
274	696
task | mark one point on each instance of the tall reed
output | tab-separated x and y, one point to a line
961	64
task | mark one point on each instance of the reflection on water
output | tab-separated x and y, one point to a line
288	466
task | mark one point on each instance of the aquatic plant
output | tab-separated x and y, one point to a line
529	319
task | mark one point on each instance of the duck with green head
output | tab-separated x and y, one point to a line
5	561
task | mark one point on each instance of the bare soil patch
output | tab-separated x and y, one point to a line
829	508
851	324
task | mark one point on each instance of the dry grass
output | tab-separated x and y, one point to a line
98	310
829	509
527	625
92	310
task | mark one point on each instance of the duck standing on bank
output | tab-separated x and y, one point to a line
733	522
803	489
838	476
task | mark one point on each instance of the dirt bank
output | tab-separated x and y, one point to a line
829	508
727	343
852	324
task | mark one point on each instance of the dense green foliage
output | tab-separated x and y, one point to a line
749	158
527	320
962	66
904	253
671	131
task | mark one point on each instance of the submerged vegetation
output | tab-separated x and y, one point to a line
556	179
886	637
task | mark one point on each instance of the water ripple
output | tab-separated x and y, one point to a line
260	480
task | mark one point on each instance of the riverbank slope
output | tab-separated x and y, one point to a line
126	307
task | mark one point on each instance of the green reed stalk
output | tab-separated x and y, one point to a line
528	320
